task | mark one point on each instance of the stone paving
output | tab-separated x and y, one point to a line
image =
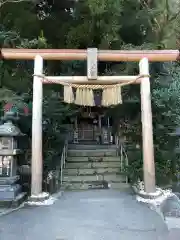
87	215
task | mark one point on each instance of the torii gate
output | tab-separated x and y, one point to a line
144	57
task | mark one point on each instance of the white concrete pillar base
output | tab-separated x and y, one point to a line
163	202
144	195
155	198
41	199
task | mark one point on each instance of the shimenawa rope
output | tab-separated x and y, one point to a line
111	94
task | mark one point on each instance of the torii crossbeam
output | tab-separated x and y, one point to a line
102	55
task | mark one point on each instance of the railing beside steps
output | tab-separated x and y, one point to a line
63	160
121	152
54	178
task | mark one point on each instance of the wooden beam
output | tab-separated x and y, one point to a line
102	55
84	80
36	162
147	129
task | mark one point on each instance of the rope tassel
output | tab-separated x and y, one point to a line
84	97
111	96
68	94
119	95
106	97
78	96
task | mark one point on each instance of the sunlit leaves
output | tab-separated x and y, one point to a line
98	7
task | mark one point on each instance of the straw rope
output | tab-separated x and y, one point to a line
90	86
111	93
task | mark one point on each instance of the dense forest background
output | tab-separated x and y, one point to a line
105	24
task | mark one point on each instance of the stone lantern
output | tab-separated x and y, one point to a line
10	191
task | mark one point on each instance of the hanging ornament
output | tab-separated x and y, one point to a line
68	94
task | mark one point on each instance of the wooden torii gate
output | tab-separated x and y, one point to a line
144	57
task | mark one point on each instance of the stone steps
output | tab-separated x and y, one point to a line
93	159
95	165
90	146
95	185
90	171
92	153
95	177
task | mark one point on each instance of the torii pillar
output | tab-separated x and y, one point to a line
147	129
36	161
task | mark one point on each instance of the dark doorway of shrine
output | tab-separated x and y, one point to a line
92	126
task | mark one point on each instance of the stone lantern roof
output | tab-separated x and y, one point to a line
8	129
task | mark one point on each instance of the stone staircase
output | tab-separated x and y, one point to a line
93	167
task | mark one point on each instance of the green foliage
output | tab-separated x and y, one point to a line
55	114
134	170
